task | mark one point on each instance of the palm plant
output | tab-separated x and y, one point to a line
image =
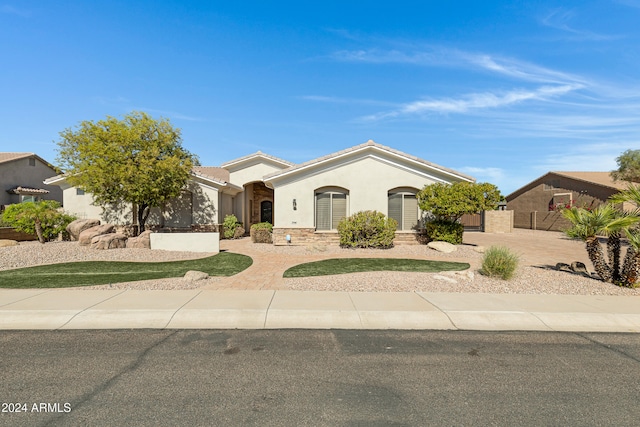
604	220
631	265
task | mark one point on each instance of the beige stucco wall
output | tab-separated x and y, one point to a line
251	172
18	173
368	181
203	199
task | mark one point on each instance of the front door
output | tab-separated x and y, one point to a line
266	211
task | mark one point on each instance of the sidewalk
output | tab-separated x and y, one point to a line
276	309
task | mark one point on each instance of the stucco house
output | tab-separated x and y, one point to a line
537	204
21	179
304	202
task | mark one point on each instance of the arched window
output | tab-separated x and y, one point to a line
331	207
403	207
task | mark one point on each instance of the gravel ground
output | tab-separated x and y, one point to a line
528	280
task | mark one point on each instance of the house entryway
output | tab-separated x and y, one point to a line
259	204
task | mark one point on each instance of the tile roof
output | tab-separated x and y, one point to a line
27	190
212	172
369	143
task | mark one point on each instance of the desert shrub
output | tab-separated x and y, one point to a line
499	261
231	228
261	232
445	231
43	219
367	229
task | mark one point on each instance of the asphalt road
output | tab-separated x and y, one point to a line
318	378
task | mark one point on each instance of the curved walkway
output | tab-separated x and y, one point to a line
534	248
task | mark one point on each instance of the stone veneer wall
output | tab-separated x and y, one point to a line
498	221
306	236
260	193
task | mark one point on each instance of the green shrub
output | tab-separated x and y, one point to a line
261	232
231	228
262	226
443	230
367	229
499	261
43	219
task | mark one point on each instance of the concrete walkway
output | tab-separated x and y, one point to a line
275	309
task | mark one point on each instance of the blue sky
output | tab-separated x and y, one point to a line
503	91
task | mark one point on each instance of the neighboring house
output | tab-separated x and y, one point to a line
21	179
537	205
303	201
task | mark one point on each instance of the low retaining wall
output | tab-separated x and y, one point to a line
189	242
8	233
308	236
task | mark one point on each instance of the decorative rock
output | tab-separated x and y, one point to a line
79	225
579	267
444	247
465	274
444	278
143	241
109	241
193	275
87	235
479	249
5	243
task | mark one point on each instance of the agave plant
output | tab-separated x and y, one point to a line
604	220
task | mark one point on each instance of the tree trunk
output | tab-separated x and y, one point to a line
143	214
38	227
613	252
596	255
630	268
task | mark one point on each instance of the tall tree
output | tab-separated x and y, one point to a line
136	160
451	201
628	167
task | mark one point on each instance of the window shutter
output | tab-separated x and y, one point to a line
323	209
395	208
339	209
410	212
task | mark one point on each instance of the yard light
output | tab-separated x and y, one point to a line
288	238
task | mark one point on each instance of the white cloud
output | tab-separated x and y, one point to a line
559	19
475	101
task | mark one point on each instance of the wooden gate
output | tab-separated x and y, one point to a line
473	221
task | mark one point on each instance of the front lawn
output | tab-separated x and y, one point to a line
105	272
358	265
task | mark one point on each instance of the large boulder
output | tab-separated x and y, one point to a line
194	276
109	241
6	243
444	247
79	225
143	241
87	235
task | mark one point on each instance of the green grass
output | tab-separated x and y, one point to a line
358	265
105	272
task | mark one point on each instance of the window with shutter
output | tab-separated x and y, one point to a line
403	207
331	207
